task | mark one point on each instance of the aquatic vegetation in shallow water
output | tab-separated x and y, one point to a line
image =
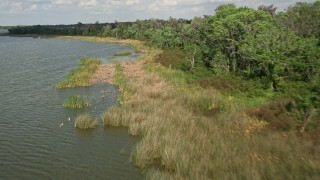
76	102
123	54
85	121
80	76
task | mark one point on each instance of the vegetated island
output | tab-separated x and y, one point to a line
232	95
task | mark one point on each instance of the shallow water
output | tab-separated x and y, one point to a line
32	146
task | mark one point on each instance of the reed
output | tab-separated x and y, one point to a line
80	76
85	121
76	102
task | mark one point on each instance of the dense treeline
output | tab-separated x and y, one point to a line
280	51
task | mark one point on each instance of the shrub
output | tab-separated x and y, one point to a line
171	58
277	114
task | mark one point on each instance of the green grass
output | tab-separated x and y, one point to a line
76	102
80	76
125	53
85	121
121	82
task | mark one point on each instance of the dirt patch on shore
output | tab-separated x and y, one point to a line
133	69
104	74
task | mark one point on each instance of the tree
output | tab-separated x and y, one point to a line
302	18
268	9
252	44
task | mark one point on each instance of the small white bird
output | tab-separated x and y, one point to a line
69	119
61	125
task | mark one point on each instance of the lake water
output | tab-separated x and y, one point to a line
32	145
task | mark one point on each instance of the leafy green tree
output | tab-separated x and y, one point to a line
302	18
252	44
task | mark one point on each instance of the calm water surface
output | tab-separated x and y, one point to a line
32	146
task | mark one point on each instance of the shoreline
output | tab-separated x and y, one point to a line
106	72
179	141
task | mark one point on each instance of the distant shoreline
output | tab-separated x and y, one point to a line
106	72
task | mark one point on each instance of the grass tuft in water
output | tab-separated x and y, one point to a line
80	76
85	121
123	54
76	102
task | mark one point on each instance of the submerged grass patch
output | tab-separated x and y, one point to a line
76	102
127	53
85	121
80	76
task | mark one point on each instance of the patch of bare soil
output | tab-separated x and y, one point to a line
133	69
104	74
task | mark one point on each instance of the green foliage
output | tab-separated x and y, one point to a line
303	18
173	58
250	43
307	95
85	121
76	102
81	75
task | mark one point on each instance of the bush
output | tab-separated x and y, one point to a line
171	58
277	114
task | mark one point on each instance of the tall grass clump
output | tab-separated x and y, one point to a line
121	82
76	102
80	76
85	121
127	53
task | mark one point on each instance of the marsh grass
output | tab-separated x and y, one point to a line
180	142
126	53
76	102
85	121
121	82
80	76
